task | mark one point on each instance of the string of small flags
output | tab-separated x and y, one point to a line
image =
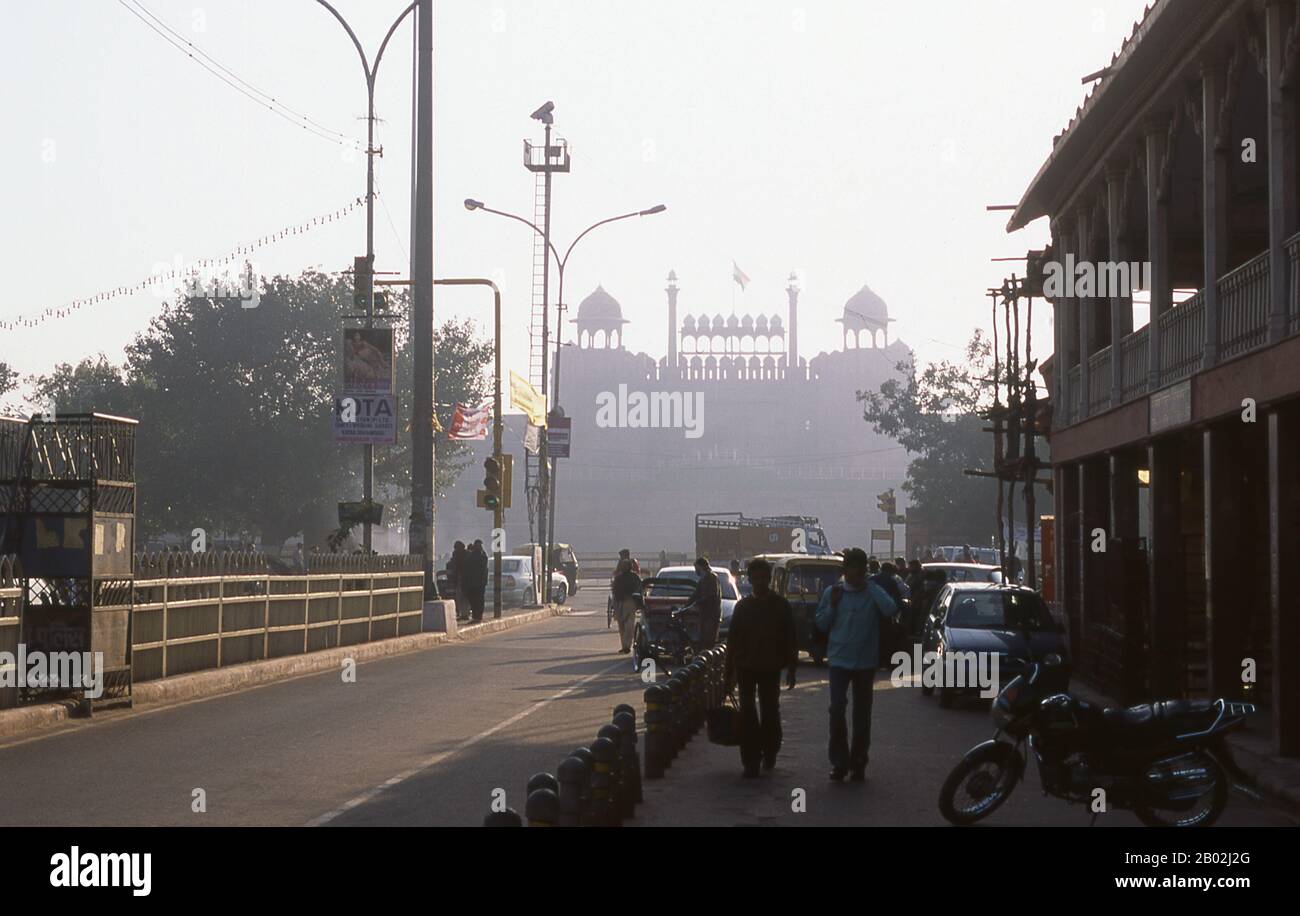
64	311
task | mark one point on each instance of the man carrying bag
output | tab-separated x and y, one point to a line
760	643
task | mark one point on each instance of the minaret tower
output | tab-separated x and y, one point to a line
671	290
792	351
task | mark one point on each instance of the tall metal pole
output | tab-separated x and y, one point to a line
370	72
543	456
421	530
498	514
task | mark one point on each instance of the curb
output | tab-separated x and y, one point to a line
216	681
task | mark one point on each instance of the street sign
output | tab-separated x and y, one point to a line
366	419
881	534
367	360
558	437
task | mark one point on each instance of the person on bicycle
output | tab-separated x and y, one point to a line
708	598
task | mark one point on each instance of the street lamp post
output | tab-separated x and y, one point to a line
370	71
561	262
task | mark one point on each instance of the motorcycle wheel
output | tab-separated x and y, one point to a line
1201	814
979	785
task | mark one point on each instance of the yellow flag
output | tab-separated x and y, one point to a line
525	397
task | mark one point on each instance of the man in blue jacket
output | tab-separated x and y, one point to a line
850	613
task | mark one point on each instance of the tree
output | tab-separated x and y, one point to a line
235	411
8	382
936	416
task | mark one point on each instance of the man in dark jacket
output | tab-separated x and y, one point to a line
708	598
760	643
476	571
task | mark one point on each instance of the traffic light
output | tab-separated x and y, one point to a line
362	269
491	483
886	502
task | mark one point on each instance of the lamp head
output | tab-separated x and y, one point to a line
657	208
543	114
472	204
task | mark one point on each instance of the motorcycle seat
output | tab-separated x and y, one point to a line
1171	717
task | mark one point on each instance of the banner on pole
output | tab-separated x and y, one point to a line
470	423
523	396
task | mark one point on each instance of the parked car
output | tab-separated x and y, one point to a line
517	583
802	579
934	576
563	559
726	582
990	617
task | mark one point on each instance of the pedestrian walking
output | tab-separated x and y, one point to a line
476	566
760	644
455	572
626	589
707	596
850	612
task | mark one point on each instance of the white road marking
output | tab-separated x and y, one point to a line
436	759
581	614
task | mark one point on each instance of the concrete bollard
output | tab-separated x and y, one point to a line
676	703
573	775
507	818
618	785
606	754
625	722
542	781
656	730
542	808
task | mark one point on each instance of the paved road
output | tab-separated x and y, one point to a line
425	738
453	723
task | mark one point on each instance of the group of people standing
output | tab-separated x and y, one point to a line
467	576
762	643
626	588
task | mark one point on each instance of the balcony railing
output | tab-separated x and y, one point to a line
1243	307
1072	392
1242	325
1182	339
1099	381
1133	365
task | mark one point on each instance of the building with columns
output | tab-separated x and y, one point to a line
1178	437
779	433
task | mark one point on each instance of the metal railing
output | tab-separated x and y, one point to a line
11	606
1133	364
1243	307
1182	339
1072	394
1099	381
199	611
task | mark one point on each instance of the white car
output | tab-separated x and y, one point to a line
726	581
517	583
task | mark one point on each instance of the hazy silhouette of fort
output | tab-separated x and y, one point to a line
781	434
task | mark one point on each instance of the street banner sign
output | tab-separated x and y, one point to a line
470	423
881	534
558	437
365	419
532	438
368	360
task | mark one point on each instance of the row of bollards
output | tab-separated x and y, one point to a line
595	786
676	709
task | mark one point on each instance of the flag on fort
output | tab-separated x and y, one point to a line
469	423
525	397
739	275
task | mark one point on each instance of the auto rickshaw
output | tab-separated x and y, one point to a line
667	624
802	578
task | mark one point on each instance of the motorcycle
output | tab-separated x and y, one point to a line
1166	761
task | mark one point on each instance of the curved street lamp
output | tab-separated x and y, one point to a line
370	71
471	204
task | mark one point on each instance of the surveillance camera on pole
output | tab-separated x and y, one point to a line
543	114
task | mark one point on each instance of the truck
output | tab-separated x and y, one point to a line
727	536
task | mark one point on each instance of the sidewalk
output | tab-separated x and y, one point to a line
704	786
1251	748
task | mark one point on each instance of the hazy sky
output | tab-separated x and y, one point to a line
857	142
